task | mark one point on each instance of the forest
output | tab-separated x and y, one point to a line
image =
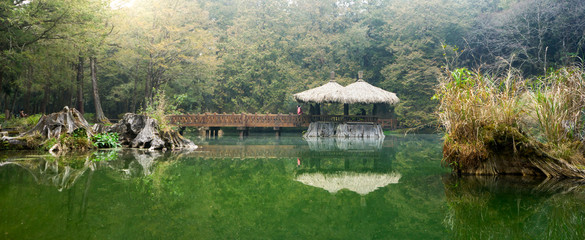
109	57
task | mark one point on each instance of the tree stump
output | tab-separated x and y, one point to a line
51	126
140	131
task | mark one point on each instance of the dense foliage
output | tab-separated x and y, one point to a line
251	56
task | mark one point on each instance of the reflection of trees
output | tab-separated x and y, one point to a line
488	207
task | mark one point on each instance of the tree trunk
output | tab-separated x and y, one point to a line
80	86
1	78
45	96
134	95
99	113
27	105
7	114
14	101
147	86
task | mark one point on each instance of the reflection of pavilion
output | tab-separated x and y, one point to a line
346	154
360	165
361	183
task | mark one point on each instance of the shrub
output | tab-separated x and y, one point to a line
161	107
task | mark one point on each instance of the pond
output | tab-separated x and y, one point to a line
262	187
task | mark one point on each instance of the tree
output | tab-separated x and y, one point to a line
531	35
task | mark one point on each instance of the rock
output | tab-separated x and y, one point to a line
344	130
321	129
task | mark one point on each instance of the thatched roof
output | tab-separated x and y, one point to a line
363	92
361	183
319	94
357	92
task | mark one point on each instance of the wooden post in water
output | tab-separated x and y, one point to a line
214	131
277	129
243	132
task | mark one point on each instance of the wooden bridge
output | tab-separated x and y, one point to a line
271	120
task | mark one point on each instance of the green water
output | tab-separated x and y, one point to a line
256	189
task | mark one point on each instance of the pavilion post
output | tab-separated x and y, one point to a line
345	109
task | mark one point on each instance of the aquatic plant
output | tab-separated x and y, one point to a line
502	124
106	140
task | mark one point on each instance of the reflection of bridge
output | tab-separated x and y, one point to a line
243	121
271	151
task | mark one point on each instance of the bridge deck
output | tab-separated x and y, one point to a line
271	120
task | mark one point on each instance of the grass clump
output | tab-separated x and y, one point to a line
78	140
485	114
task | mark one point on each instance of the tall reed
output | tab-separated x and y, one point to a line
557	106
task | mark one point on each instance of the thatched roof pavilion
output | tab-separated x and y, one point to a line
363	92
357	92
321	94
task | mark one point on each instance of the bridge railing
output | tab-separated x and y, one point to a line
240	120
271	120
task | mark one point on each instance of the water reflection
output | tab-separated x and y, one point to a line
249	191
513	207
360	183
356	164
64	171
48	170
345	144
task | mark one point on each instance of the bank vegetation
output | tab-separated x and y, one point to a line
506	124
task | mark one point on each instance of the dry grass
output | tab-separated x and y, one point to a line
481	111
473	107
557	105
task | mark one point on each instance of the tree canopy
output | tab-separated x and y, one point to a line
251	56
